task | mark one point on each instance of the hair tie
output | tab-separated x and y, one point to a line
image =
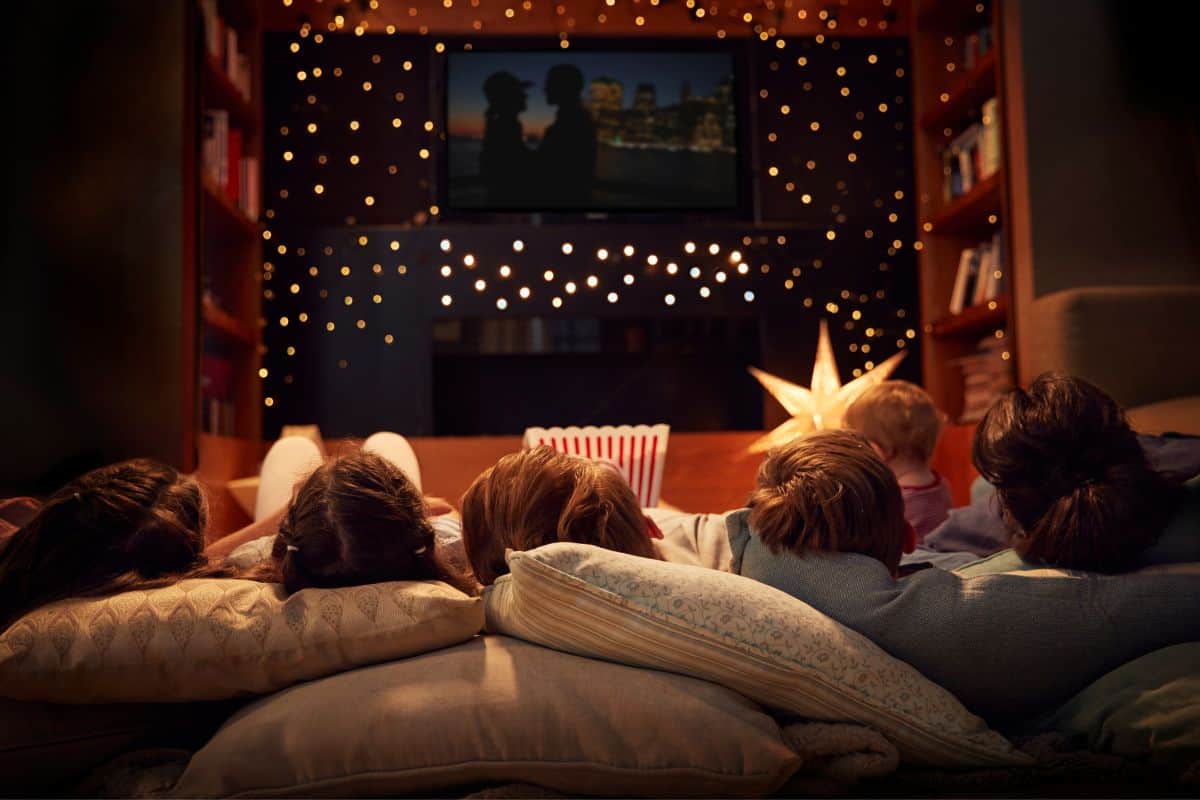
78	497
291	548
419	550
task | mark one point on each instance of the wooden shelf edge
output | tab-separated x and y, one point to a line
980	81
988	315
220	92
228	325
968	212
229	212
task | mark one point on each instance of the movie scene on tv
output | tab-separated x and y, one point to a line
591	131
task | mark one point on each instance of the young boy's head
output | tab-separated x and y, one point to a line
899	419
829	492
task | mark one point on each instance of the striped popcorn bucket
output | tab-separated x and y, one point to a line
639	451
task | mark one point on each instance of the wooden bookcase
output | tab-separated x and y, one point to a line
947	99
228	247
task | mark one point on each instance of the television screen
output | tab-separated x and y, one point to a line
591	131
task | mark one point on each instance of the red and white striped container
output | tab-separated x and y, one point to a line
639	451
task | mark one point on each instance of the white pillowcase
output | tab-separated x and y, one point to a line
738	633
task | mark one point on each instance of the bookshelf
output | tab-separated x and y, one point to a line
227	176
949	95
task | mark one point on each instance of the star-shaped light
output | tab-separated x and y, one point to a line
824	403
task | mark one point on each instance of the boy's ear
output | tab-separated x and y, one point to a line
884	453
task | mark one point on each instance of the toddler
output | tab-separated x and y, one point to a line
901	423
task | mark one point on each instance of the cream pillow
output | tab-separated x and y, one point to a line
738	633
495	710
207	639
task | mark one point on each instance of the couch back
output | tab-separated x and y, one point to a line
1135	342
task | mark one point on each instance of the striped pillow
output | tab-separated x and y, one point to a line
740	634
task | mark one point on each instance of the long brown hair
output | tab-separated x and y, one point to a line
828	492
1070	473
357	519
539	496
133	525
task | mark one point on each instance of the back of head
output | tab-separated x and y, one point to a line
1071	475
539	496
899	417
356	520
564	82
135	524
828	492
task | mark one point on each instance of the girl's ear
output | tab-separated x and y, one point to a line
652	529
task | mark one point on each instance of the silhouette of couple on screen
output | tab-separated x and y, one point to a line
560	172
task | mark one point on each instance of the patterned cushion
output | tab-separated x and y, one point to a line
495	710
208	639
740	634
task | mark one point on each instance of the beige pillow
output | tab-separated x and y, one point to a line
739	633
495	710
205	639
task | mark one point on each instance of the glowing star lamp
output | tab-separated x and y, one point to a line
824	402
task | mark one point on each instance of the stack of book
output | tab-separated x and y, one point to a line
224	165
973	156
981	274
221	41
986	375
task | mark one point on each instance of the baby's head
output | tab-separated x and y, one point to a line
829	492
539	496
899	420
357	519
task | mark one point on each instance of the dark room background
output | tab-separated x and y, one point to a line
383	311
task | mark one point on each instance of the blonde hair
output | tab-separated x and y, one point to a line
539	496
897	416
829	492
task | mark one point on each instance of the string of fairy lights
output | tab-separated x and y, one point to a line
859	210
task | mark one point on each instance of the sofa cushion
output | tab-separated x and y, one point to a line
495	710
738	633
1148	708
1177	415
205	639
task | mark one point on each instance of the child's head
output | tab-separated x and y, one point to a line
829	492
1071	475
136	524
539	496
357	519
899	419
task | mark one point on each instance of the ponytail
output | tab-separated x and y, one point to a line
1071	475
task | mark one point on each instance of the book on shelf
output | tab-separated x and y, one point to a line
986	375
973	156
980	276
229	171
221	41
964	279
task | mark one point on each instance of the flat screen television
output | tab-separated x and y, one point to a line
592	131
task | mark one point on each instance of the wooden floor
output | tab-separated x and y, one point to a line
703	471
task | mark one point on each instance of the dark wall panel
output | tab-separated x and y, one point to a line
90	259
833	239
